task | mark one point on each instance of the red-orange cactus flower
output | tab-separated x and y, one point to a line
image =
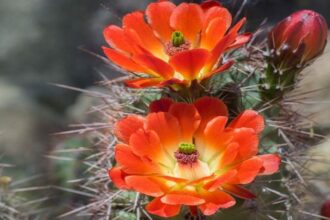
186	154
173	44
298	39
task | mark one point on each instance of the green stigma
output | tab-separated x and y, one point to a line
177	39
187	148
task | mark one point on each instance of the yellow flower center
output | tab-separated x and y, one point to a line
187	148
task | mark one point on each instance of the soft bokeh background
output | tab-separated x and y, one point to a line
41	43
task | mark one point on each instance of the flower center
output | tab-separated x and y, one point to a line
187	154
177	39
177	44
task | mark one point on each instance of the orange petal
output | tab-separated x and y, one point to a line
218	50
157	207
117	176
116	38
156	65
229	155
248	170
124	128
182	198
209	108
224	178
240	41
271	163
188	19
132	163
216	23
234	30
189	63
145	144
188	118
214	130
239	191
135	21
143	83
168	129
158	15
145	185
216	200
221	69
249	119
162	105
224	44
122	60
248	142
214	32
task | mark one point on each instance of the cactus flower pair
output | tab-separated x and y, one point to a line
190	155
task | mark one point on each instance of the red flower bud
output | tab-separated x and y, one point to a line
325	210
298	39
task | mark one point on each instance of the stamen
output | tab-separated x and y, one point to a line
177	44
171	50
177	39
187	153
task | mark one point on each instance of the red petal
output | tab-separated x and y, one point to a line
158	15
188	19
189	63
145	185
271	163
182	199
162	105
124	128
188	118
156	207
156	65
132	163
209	4
117	176
249	119
239	191
123	61
143	83
135	21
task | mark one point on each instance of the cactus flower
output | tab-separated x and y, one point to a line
189	155
169	44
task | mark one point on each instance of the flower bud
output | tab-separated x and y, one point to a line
293	44
298	39
325	210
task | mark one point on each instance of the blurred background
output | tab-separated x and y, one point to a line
42	43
